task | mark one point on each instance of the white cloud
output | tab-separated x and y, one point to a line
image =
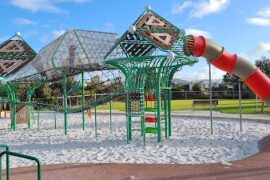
259	21
24	21
205	8
45	38
57	33
203	73
43	5
37	5
260	48
202	8
197	32
179	8
262	18
264	12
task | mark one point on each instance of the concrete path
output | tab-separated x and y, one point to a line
206	114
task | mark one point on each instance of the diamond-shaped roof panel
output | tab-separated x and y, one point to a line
148	34
14	54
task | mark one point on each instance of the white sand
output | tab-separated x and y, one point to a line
191	141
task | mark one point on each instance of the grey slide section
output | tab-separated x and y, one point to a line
213	50
244	68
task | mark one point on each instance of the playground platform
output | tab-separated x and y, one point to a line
254	167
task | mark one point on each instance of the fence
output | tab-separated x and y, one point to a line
180	95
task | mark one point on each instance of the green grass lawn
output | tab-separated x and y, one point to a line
224	105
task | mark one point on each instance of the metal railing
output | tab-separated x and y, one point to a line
7	161
10	153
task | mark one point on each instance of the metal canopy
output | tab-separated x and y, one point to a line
76	50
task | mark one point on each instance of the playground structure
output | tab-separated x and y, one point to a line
149	54
140	65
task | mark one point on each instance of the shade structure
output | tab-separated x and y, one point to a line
76	50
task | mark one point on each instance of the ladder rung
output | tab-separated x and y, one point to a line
150	109
151	130
151	119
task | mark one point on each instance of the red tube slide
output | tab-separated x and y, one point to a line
253	77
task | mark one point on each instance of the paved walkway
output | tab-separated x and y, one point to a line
206	114
199	113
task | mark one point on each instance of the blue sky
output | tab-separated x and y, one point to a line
242	27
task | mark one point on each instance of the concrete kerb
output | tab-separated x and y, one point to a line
198	114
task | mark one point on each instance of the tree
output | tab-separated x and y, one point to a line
231	80
177	87
264	65
196	87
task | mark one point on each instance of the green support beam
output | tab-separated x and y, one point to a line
12	95
83	103
65	99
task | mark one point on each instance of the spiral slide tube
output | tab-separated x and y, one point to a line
253	77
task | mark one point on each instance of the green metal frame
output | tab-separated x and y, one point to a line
7	162
65	99
30	93
149	72
83	103
10	153
145	73
13	100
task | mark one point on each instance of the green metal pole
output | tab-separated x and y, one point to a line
83	103
158	110
1	169
7	162
143	116
55	125
169	112
29	94
110	112
14	123
127	114
30	116
14	120
38	119
65	98
129	119
12	97
166	111
96	116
